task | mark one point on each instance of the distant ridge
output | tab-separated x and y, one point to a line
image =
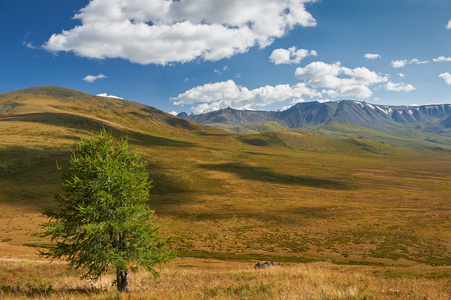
372	116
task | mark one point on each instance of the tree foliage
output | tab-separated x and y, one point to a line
103	222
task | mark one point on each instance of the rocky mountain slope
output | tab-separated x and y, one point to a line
376	117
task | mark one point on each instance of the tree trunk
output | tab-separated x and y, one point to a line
122	281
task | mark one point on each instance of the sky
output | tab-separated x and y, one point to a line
201	55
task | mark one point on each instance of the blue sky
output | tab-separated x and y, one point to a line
198	55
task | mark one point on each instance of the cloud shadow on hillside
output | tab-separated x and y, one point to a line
274	217
148	140
268	175
261	140
263	154
92	125
29	177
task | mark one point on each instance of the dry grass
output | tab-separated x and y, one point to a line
209	279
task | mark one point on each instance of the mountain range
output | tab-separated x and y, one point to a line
350	118
377	117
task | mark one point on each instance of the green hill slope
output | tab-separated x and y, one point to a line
407	136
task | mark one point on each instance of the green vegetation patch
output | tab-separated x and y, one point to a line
8	106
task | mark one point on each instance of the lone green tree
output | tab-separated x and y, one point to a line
102	222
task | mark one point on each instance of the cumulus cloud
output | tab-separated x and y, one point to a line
214	96
163	31
109	96
404	62
372	56
447	77
339	81
290	55
319	79
402	75
442	58
448	26
399	87
92	78
398	63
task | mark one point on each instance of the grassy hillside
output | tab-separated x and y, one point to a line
419	136
254	128
407	136
282	196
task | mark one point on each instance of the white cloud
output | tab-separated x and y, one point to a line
174	113
404	62
447	77
398	63
214	96
323	100
442	58
372	56
290	55
92	78
418	62
285	108
340	81
319	80
399	87
401	75
219	72
29	45
109	96
163	32
448	26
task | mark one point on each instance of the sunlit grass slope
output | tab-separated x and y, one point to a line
283	196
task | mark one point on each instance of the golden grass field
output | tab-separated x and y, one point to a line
189	278
372	217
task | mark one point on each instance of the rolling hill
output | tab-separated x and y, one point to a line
54	103
282	195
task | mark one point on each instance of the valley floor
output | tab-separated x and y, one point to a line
347	218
